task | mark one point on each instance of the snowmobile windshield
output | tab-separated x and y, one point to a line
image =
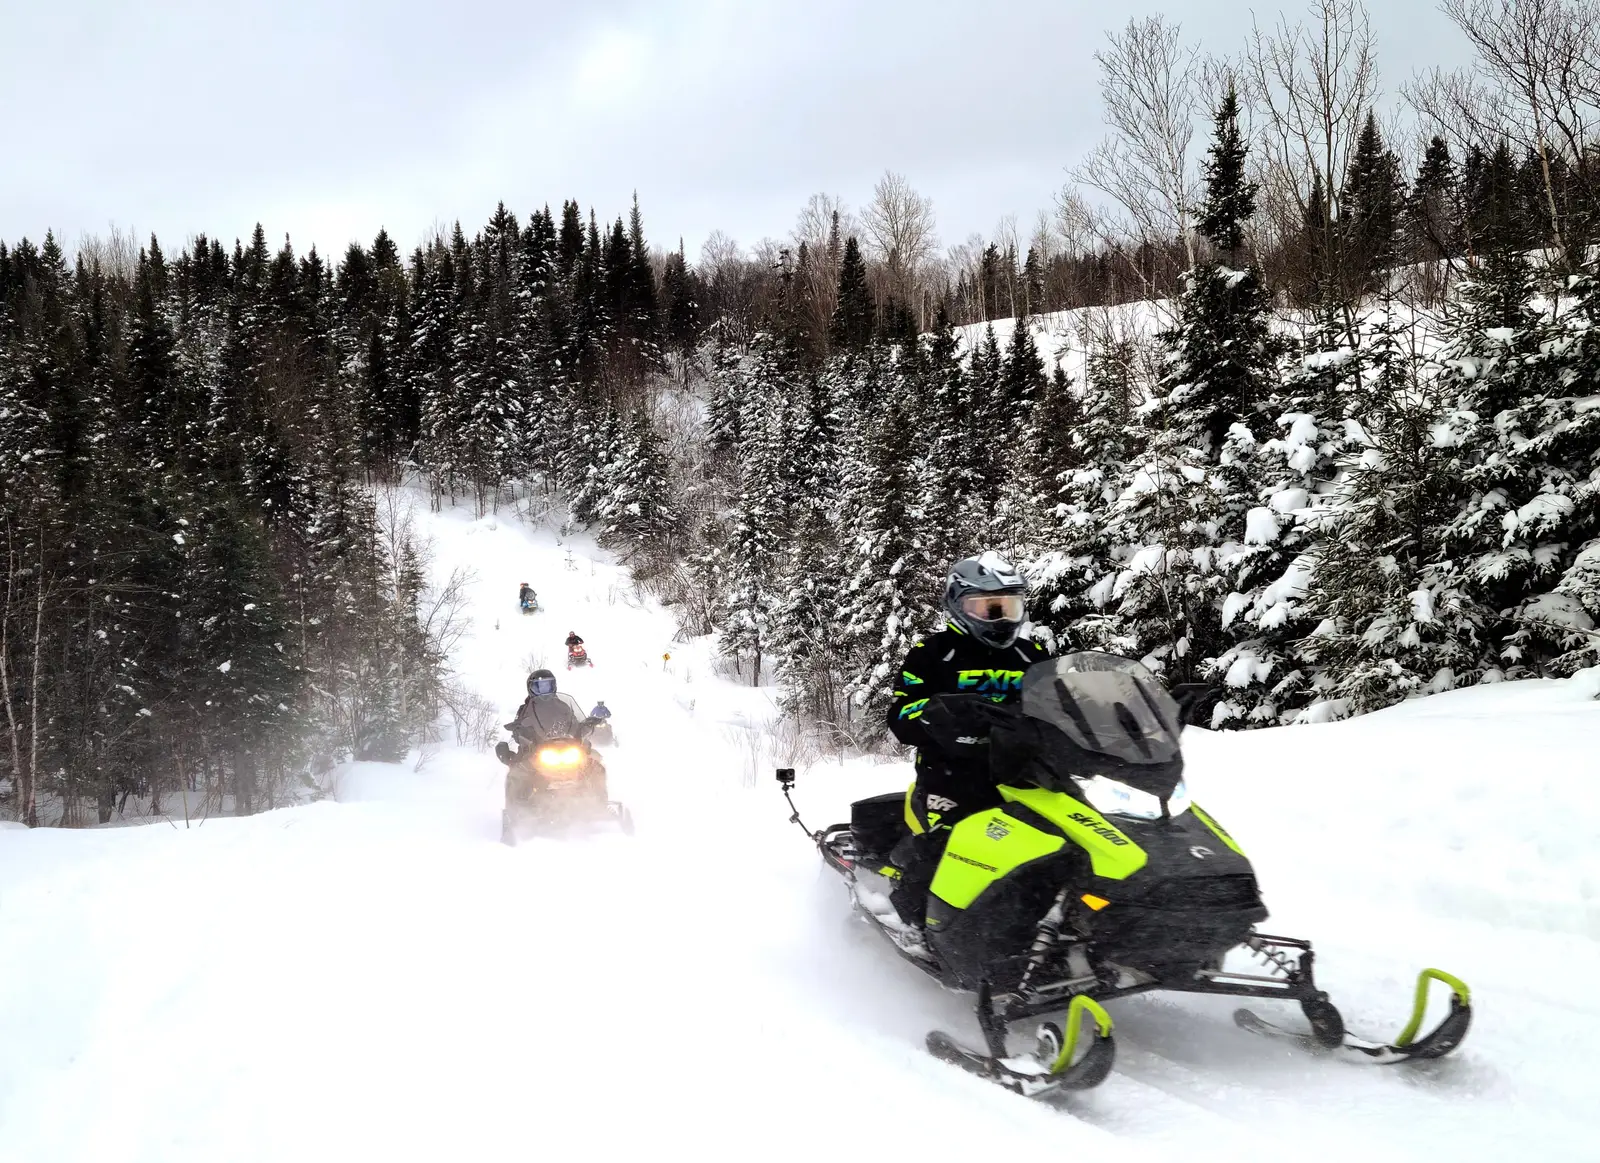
993	607
553	716
1116	718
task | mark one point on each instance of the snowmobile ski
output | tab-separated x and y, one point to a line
1327	1035
1050	1067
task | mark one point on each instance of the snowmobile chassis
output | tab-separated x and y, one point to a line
1055	1063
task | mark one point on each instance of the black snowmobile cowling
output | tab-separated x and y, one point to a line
1096	878
1091	772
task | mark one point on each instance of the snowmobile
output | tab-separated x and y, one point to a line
577	656
529	605
557	789
1097	878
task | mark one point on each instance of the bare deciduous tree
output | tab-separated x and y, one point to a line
1313	85
1149	85
717	254
899	224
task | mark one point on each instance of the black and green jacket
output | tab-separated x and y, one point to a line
952	662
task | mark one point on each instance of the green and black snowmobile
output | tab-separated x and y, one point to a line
1096	879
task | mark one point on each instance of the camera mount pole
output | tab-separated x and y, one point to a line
786	782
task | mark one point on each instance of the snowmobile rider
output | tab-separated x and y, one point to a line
601	711
526	596
977	653
541	717
573	640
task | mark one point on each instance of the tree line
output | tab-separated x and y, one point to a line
1358	461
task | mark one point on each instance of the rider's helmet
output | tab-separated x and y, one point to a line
986	598
542	682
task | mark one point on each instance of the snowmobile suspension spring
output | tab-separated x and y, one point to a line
1274	957
1045	938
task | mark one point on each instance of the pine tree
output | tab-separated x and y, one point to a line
639	514
1370	209
1188	494
1230	195
1433	212
851	328
889	593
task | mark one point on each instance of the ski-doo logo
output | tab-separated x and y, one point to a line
989	680
1100	828
997	830
1200	852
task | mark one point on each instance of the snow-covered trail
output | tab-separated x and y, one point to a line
379	978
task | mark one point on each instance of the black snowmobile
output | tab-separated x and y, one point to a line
1096	879
555	787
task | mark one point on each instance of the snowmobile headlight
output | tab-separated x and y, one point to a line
560	756
1112	797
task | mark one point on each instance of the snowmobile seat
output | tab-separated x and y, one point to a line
876	824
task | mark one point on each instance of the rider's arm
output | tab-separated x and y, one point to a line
912	687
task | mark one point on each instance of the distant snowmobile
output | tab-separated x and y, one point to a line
527	600
602	733
577	655
557	787
1096	879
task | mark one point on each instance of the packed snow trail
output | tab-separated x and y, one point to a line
380	978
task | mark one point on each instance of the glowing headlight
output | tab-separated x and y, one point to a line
560	756
1112	797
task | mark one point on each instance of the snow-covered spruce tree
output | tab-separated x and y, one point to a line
1072	576
429	371
1392	622
951	472
594	448
1519	375
1022	383
750	561
1293	470
986	418
638	514
725	408
851	326
806	629
1183	508
891	581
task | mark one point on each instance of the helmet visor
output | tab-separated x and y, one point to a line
544	686
993	607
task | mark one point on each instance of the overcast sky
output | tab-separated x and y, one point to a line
325	119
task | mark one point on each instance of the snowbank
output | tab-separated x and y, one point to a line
378	978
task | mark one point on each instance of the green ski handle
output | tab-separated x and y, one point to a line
1461	998
1069	1044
